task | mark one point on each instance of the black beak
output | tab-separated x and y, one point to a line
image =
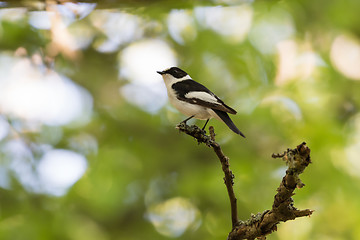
159	72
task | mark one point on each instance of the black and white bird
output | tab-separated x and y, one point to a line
194	100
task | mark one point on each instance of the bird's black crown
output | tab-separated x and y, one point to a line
175	72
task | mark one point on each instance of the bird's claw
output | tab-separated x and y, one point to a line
203	131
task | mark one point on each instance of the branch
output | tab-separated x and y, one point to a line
201	137
261	224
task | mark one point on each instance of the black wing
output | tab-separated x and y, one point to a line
183	87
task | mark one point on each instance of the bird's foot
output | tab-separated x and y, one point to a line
182	125
193	130
203	131
196	132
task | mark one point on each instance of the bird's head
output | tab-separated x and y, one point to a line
174	72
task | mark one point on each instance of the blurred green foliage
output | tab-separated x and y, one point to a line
144	180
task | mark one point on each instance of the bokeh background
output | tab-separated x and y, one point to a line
88	148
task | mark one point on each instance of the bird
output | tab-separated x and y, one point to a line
194	100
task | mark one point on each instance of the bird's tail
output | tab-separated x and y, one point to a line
227	120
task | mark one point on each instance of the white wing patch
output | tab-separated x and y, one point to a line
203	96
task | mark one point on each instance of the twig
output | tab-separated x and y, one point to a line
201	137
261	224
229	176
